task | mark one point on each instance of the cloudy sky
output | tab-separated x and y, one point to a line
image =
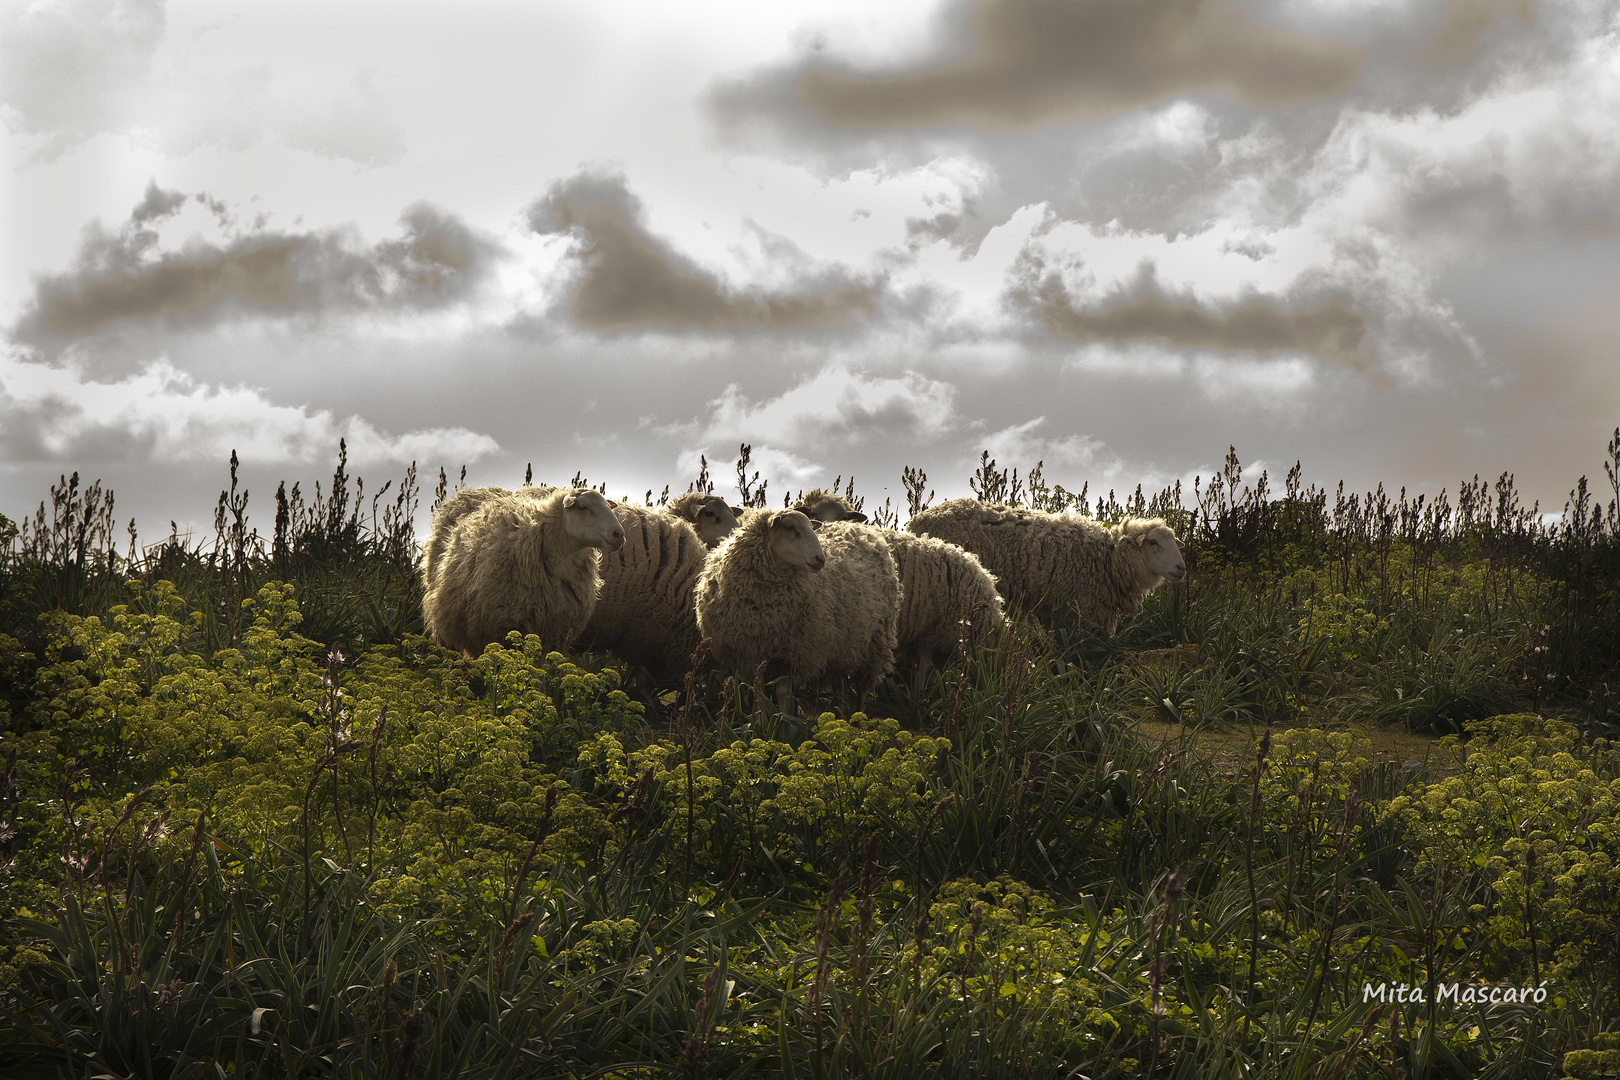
1378	236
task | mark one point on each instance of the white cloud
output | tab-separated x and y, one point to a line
1270	384
163	415
1076	460
1019	446
779	469
837	405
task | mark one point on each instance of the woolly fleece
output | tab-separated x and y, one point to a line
947	596
644	612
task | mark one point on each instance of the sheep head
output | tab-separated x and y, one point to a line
709	515
793	541
1161	551
821	505
589	521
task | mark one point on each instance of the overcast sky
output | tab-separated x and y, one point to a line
1381	237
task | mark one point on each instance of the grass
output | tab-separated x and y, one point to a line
251	823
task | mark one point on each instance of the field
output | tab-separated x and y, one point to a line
1341	804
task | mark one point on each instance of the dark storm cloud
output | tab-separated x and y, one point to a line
122	278
1328	330
158	204
1033	63
631	279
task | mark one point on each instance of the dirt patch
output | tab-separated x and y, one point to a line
1233	751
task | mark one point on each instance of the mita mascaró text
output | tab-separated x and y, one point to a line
1456	993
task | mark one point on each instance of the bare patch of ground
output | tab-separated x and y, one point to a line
1233	750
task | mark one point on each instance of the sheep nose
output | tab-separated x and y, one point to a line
821	561
616	541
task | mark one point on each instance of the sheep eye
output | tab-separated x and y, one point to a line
1155	543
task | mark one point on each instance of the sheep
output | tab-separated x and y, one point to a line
1042	559
947	595
826	607
644	613
709	515
818	504
519	560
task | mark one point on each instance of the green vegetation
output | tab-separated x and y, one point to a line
252	823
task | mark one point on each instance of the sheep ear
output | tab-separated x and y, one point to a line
570	501
736	511
855	515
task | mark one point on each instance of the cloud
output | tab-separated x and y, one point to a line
837	405
74	69
1033	63
834	414
631	279
66	68
163	416
779	470
1329	330
1020	446
124	277
1072	460
1466	22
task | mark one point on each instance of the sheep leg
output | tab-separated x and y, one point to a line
925	665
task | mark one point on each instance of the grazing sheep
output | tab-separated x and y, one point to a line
1041	559
644	613
522	560
709	515
825	607
947	597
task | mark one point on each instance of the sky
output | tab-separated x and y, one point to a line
1378	237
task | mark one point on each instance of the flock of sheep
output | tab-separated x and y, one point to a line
812	592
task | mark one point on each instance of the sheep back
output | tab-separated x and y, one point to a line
947	597
840	621
455	507
644	612
508	565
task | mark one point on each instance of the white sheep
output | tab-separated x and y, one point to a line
948	599
644	612
708	514
826	607
1041	560
523	560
